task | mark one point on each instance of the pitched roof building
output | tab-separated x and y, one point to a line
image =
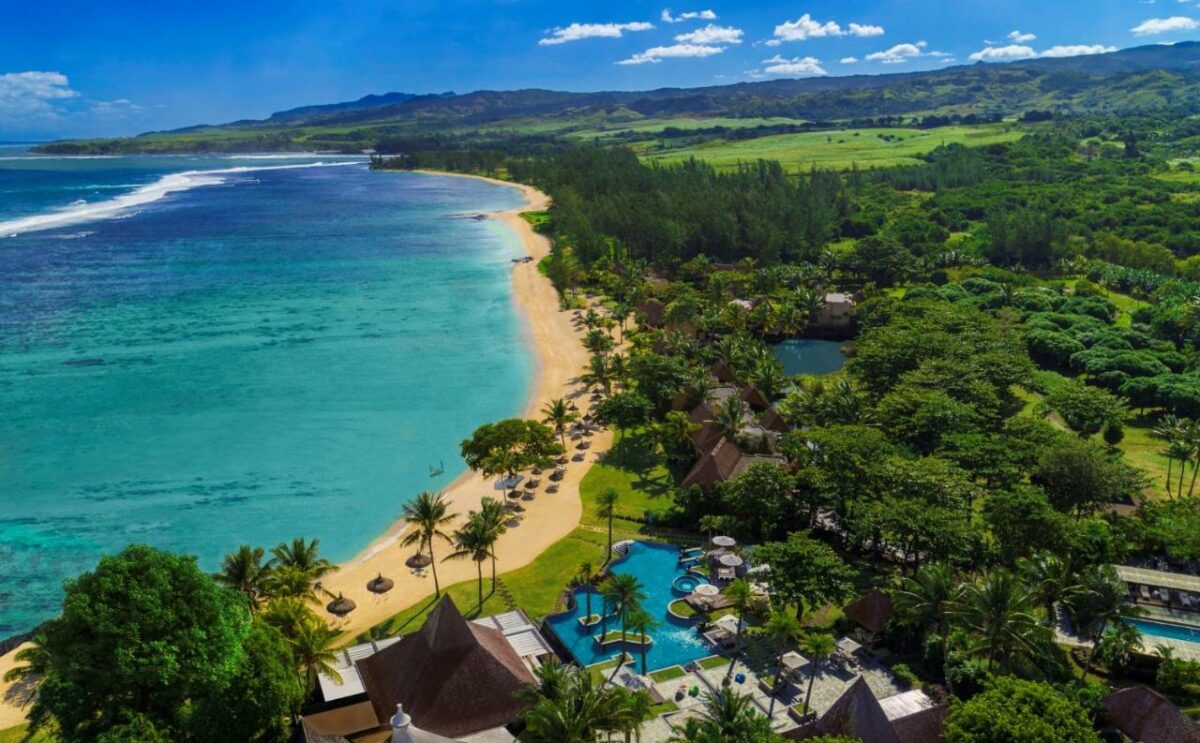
857	714
871	611
1148	717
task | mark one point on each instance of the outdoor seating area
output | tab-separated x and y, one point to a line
1161	588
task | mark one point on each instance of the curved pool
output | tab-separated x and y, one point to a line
687	583
656	566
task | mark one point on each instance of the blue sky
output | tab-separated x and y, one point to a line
72	68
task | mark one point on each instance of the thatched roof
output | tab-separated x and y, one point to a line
926	726
1147	716
871	611
653	313
773	421
454	677
718	465
857	714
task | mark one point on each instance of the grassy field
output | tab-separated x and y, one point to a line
644	485
838	150
20	734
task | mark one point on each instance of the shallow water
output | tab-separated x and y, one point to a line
810	356
285	353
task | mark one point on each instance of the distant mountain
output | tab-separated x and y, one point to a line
1137	80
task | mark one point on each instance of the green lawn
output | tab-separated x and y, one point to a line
836	150
643	483
20	734
713	661
667	674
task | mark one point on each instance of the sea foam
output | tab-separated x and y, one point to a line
117	206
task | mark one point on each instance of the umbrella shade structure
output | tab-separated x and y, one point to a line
707	589
419	560
379	584
725	542
848	646
341	606
731	561
793	661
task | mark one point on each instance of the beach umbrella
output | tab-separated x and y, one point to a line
706	589
724	541
418	560
379	584
341	606
731	561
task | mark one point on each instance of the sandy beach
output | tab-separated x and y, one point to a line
550	517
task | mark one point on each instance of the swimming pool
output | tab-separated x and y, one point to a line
686	583
809	356
675	641
1150	628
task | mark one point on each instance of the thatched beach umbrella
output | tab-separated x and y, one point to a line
380	585
341	606
419	560
731	561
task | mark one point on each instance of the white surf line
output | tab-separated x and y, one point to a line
115	206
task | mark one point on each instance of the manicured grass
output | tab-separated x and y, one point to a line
682	608
616	635
1144	451
838	150
665	707
713	661
667	674
20	734
535	587
644	486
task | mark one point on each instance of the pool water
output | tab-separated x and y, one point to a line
675	641
809	356
687	583
1163	629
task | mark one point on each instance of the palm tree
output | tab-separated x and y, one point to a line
559	414
491	517
472	541
674	435
1051	577
727	717
741	595
430	514
586	578
640	622
244	571
579	709
768	379
1097	605
313	649
624	593
928	598
289	581
1170	430
598	372
606	508
783	629
818	646
302	556
996	609
729	417
34	663
287	614
638	709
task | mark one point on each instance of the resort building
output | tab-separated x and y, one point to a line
723	462
909	717
836	316
430	673
871	612
1147	716
1170	604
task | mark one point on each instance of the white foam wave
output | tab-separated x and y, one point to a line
119	205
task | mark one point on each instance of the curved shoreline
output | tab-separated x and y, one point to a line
560	356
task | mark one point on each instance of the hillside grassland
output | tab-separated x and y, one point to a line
836	150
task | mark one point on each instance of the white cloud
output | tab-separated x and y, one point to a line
1017	37
676	51
1165	26
33	93
578	31
795	67
712	34
1076	50
858	29
1004	53
804	28
699	15
900	53
849	60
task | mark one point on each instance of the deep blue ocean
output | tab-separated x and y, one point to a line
197	360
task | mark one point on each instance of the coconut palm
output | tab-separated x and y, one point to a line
1099	604
245	572
289	581
581	710
768	379
33	662
586	579
640	623
598	372
559	414
430	514
674	435
491	517
729	417
606	508
928	598
817	646
638	709
741	596
287	614
302	556
313	649
1170	430
783	629
1051	577
472	541
623	593
996	609
725	718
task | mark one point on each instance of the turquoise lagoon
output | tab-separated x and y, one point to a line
203	352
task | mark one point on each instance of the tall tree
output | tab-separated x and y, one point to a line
606	508
624	594
472	541
783	629
818	646
741	596
430	514
558	413
245	572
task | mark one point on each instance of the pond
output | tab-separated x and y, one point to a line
810	356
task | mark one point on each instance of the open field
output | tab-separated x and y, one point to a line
838	150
